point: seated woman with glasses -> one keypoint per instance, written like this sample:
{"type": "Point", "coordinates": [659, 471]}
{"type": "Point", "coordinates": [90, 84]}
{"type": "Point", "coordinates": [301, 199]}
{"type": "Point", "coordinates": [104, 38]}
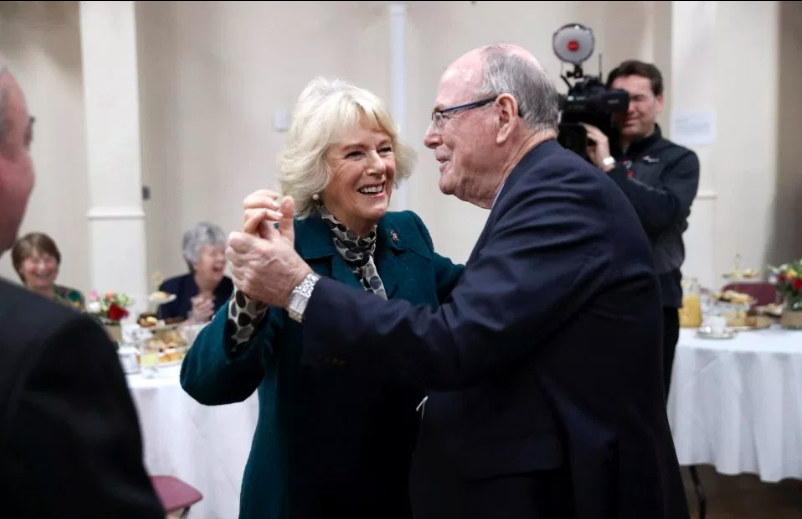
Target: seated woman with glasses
{"type": "Point", "coordinates": [37, 259]}
{"type": "Point", "coordinates": [332, 440]}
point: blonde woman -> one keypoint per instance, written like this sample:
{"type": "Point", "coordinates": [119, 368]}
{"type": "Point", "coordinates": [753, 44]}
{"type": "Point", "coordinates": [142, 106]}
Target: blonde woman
{"type": "Point", "coordinates": [331, 441]}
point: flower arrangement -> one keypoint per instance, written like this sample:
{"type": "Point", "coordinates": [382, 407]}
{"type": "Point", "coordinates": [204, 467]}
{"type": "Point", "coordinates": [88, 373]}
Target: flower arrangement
{"type": "Point", "coordinates": [110, 308]}
{"type": "Point", "coordinates": [789, 279]}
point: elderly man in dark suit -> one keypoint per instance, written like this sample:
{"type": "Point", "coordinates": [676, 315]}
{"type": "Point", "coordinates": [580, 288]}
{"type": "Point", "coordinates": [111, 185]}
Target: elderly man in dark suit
{"type": "Point", "coordinates": [69, 434]}
{"type": "Point", "coordinates": [545, 363]}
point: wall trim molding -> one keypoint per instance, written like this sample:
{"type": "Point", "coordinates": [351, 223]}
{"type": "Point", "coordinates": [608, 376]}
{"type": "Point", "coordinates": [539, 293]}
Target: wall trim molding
{"type": "Point", "coordinates": [115, 213]}
{"type": "Point", "coordinates": [707, 194]}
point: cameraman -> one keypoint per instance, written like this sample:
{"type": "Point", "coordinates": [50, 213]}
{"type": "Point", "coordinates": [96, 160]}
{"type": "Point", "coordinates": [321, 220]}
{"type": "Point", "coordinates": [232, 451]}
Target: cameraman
{"type": "Point", "coordinates": [659, 177]}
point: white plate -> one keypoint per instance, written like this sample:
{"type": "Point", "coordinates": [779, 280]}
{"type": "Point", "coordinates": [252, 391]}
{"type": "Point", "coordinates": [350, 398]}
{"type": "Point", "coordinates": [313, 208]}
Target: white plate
{"type": "Point", "coordinates": [161, 301]}
{"type": "Point", "coordinates": [160, 327]}
{"type": "Point", "coordinates": [171, 363]}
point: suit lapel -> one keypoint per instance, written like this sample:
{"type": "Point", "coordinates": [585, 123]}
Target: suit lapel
{"type": "Point", "coordinates": [387, 266]}
{"type": "Point", "coordinates": [316, 247]}
{"type": "Point", "coordinates": [484, 235]}
{"type": "Point", "coordinates": [526, 164]}
{"type": "Point", "coordinates": [390, 244]}
{"type": "Point", "coordinates": [342, 272]}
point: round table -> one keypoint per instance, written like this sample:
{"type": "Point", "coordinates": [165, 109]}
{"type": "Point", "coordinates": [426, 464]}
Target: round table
{"type": "Point", "coordinates": [205, 446]}
{"type": "Point", "coordinates": [737, 404]}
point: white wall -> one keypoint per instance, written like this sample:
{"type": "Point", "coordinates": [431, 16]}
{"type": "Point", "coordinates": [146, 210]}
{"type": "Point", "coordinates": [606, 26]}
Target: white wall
{"type": "Point", "coordinates": [745, 153]}
{"type": "Point", "coordinates": [213, 75]}
{"type": "Point", "coordinates": [40, 42]}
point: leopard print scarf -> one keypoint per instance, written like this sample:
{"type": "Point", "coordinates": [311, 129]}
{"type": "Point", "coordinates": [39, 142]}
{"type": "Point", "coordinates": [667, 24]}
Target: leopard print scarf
{"type": "Point", "coordinates": [357, 252]}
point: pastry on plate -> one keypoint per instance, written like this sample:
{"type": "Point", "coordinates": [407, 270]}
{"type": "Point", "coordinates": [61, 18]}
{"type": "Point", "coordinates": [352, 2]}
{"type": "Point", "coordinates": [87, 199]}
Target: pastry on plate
{"type": "Point", "coordinates": [147, 320]}
{"type": "Point", "coordinates": [731, 296]}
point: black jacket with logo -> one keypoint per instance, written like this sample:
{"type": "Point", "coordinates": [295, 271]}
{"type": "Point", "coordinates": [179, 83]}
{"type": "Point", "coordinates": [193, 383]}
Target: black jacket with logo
{"type": "Point", "coordinates": [661, 178]}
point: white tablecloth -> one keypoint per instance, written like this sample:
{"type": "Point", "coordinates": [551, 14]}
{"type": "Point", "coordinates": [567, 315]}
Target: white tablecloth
{"type": "Point", "coordinates": [737, 404]}
{"type": "Point", "coordinates": [205, 446]}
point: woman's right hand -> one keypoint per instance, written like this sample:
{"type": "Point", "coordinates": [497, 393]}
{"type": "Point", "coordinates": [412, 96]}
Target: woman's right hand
{"type": "Point", "coordinates": [202, 309]}
{"type": "Point", "coordinates": [263, 208]}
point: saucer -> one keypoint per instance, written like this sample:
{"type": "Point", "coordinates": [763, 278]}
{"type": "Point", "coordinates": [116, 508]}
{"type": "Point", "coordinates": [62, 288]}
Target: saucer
{"type": "Point", "coordinates": [708, 333]}
{"type": "Point", "coordinates": [161, 299]}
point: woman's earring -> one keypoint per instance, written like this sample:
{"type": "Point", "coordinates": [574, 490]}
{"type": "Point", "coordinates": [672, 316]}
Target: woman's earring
{"type": "Point", "coordinates": [316, 199]}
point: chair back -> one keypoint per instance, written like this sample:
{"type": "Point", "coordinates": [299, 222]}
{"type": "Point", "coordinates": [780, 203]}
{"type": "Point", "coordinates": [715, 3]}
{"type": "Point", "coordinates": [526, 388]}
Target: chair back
{"type": "Point", "coordinates": [765, 293]}
{"type": "Point", "coordinates": [175, 495]}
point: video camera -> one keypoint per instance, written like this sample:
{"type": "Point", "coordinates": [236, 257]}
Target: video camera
{"type": "Point", "coordinates": [588, 100]}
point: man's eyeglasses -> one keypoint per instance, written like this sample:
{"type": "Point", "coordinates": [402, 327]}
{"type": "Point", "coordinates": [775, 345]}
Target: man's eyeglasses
{"type": "Point", "coordinates": [439, 117]}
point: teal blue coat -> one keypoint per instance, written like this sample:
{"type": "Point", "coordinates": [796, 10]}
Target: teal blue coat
{"type": "Point", "coordinates": [330, 442]}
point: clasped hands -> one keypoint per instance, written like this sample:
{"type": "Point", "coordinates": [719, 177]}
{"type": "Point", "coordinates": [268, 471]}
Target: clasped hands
{"type": "Point", "coordinates": [264, 264]}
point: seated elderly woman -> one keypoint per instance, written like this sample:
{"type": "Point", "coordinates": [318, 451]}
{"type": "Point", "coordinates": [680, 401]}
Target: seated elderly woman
{"type": "Point", "coordinates": [205, 289]}
{"type": "Point", "coordinates": [36, 259]}
{"type": "Point", "coordinates": [331, 440]}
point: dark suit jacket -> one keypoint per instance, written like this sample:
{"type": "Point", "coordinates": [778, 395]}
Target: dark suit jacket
{"type": "Point", "coordinates": [330, 441]}
{"type": "Point", "coordinates": [545, 360]}
{"type": "Point", "coordinates": [70, 444]}
{"type": "Point", "coordinates": [185, 288]}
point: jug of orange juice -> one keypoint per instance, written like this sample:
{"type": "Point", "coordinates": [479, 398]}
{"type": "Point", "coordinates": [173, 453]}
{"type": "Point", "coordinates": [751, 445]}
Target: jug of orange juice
{"type": "Point", "coordinates": [690, 315]}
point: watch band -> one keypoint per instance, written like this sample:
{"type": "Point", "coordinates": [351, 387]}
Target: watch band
{"type": "Point", "coordinates": [299, 297]}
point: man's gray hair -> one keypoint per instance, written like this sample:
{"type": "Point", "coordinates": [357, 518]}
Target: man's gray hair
{"type": "Point", "coordinates": [201, 234]}
{"type": "Point", "coordinates": [506, 71]}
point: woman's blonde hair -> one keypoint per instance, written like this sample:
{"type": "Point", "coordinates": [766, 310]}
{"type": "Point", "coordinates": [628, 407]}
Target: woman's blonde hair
{"type": "Point", "coordinates": [325, 110]}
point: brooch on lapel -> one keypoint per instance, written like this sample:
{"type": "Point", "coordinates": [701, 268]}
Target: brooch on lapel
{"type": "Point", "coordinates": [394, 235]}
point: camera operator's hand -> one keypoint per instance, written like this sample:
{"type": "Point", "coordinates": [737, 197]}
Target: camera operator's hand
{"type": "Point", "coordinates": [599, 149]}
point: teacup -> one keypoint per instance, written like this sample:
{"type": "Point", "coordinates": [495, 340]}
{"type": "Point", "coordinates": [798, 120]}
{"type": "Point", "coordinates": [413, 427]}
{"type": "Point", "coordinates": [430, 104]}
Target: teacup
{"type": "Point", "coordinates": [717, 324]}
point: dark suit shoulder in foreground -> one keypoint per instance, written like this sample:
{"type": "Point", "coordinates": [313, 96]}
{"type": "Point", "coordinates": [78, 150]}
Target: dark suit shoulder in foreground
{"type": "Point", "coordinates": [70, 444]}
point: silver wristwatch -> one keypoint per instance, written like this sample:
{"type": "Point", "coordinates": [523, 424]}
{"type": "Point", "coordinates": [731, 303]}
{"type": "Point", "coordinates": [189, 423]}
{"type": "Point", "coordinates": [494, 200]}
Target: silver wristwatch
{"type": "Point", "coordinates": [608, 161]}
{"type": "Point", "coordinates": [300, 297]}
